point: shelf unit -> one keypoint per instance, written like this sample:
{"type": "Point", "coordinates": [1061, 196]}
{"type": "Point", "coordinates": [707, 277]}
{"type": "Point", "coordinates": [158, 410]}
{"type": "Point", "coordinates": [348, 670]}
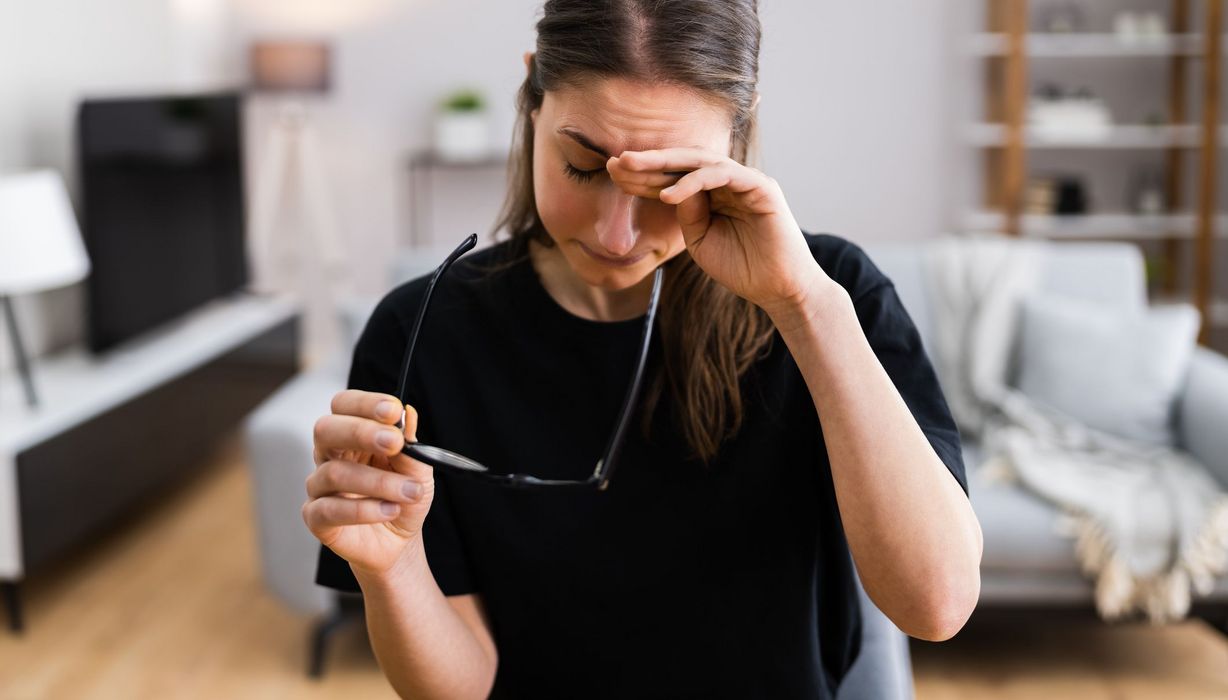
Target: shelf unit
{"type": "Point", "coordinates": [1008, 47]}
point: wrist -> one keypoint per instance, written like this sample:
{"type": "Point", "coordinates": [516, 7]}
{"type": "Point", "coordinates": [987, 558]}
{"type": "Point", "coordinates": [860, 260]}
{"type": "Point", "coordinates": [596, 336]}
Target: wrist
{"type": "Point", "coordinates": [818, 297]}
{"type": "Point", "coordinates": [407, 566]}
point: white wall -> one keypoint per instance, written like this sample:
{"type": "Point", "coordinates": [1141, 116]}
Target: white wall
{"type": "Point", "coordinates": [54, 52]}
{"type": "Point", "coordinates": [856, 112]}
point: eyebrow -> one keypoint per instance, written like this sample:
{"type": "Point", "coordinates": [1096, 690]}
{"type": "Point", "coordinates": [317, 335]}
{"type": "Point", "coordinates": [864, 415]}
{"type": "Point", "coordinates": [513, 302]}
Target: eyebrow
{"type": "Point", "coordinates": [583, 141]}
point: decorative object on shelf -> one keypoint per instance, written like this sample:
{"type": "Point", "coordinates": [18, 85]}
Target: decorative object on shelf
{"type": "Point", "coordinates": [1040, 198]}
{"type": "Point", "coordinates": [42, 249]}
{"type": "Point", "coordinates": [1057, 113]}
{"type": "Point", "coordinates": [1132, 27]}
{"type": "Point", "coordinates": [1071, 197]}
{"type": "Point", "coordinates": [462, 131]}
{"type": "Point", "coordinates": [1063, 18]}
{"type": "Point", "coordinates": [1145, 194]}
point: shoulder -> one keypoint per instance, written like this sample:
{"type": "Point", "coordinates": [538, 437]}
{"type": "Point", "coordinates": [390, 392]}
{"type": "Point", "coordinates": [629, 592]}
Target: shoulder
{"type": "Point", "coordinates": [846, 263]}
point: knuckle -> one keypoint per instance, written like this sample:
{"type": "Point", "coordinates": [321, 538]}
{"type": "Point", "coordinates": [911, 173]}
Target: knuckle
{"type": "Point", "coordinates": [339, 399]}
{"type": "Point", "coordinates": [319, 430]}
{"type": "Point", "coordinates": [387, 485]}
{"type": "Point", "coordinates": [331, 477]}
{"type": "Point", "coordinates": [361, 434]}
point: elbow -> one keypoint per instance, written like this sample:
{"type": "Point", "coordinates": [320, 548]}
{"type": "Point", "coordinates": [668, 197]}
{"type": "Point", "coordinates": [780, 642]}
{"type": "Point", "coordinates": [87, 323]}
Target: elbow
{"type": "Point", "coordinates": [948, 608]}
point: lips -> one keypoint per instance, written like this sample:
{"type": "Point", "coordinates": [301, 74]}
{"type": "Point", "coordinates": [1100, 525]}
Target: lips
{"type": "Point", "coordinates": [615, 262]}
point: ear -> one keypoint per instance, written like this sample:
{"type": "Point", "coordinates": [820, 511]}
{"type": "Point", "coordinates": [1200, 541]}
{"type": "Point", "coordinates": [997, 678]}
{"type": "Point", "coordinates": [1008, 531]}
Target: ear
{"type": "Point", "coordinates": [754, 103]}
{"type": "Point", "coordinates": [527, 55]}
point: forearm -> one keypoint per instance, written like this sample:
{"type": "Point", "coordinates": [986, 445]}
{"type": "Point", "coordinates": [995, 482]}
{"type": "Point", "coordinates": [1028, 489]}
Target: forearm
{"type": "Point", "coordinates": [423, 646]}
{"type": "Point", "coordinates": [910, 527]}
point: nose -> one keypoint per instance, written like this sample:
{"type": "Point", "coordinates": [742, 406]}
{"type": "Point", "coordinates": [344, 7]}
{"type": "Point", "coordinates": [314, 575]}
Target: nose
{"type": "Point", "coordinates": [617, 229]}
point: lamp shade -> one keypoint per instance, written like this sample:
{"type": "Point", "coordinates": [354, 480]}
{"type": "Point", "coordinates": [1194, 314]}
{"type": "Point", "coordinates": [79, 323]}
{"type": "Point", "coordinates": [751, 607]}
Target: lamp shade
{"type": "Point", "coordinates": [40, 244]}
{"type": "Point", "coordinates": [301, 66]}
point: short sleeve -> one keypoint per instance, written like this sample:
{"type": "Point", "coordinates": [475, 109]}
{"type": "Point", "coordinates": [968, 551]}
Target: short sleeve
{"type": "Point", "coordinates": [375, 366]}
{"type": "Point", "coordinates": [897, 344]}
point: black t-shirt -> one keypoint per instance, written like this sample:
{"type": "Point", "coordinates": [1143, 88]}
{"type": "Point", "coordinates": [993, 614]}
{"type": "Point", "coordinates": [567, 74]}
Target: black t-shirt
{"type": "Point", "coordinates": [733, 580]}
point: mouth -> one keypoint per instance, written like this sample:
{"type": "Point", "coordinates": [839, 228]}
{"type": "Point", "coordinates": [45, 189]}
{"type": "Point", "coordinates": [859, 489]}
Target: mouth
{"type": "Point", "coordinates": [612, 262]}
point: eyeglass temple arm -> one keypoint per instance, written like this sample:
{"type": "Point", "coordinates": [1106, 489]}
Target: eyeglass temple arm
{"type": "Point", "coordinates": [465, 246]}
{"type": "Point", "coordinates": [605, 464]}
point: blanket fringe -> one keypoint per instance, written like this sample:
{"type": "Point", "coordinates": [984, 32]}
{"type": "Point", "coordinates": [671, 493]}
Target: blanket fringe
{"type": "Point", "coordinates": [1164, 597]}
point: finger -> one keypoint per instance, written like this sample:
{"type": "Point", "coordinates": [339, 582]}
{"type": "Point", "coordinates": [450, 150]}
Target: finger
{"type": "Point", "coordinates": [642, 178]}
{"type": "Point", "coordinates": [734, 177]}
{"type": "Point", "coordinates": [341, 477]}
{"type": "Point", "coordinates": [693, 214]}
{"type": "Point", "coordinates": [671, 159]}
{"type": "Point", "coordinates": [333, 432]}
{"type": "Point", "coordinates": [384, 408]}
{"type": "Point", "coordinates": [332, 511]}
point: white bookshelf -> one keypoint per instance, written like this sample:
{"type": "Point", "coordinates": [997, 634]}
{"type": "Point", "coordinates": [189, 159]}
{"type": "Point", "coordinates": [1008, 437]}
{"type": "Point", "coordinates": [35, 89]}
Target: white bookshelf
{"type": "Point", "coordinates": [1108, 225]}
{"type": "Point", "coordinates": [1087, 45]}
{"type": "Point", "coordinates": [1125, 136]}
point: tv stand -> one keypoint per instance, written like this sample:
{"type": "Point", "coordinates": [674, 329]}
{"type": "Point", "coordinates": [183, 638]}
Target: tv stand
{"type": "Point", "coordinates": [114, 429]}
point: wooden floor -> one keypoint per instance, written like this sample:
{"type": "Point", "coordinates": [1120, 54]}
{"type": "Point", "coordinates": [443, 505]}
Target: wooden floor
{"type": "Point", "coordinates": [170, 605]}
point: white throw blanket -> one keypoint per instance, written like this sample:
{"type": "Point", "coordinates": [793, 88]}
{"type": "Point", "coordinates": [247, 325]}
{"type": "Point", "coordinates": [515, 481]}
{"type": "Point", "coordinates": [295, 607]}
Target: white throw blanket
{"type": "Point", "coordinates": [1148, 522]}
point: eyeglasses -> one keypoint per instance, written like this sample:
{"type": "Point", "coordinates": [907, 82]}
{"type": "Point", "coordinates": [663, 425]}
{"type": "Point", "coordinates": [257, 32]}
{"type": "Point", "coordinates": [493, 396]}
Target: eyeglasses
{"type": "Point", "coordinates": [451, 462]}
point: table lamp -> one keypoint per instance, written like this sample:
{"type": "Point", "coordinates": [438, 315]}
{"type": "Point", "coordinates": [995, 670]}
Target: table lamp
{"type": "Point", "coordinates": [40, 249]}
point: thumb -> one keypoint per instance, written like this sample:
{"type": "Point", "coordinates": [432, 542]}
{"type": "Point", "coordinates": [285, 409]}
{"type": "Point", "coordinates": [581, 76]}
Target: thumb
{"type": "Point", "coordinates": [411, 423]}
{"type": "Point", "coordinates": [404, 464]}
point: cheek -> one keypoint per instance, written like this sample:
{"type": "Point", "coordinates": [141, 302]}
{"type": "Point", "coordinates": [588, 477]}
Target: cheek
{"type": "Point", "coordinates": [566, 208]}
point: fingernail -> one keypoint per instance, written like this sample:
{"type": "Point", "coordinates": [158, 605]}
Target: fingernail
{"type": "Point", "coordinates": [411, 489]}
{"type": "Point", "coordinates": [667, 190]}
{"type": "Point", "coordinates": [387, 439]}
{"type": "Point", "coordinates": [386, 409]}
{"type": "Point", "coordinates": [389, 508]}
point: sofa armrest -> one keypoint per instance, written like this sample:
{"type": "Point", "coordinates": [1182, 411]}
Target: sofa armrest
{"type": "Point", "coordinates": [1203, 412]}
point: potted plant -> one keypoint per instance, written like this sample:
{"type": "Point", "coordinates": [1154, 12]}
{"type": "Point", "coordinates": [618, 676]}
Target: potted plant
{"type": "Point", "coordinates": [462, 132]}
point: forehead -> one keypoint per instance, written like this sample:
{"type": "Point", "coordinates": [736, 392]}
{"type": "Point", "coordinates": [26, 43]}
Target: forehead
{"type": "Point", "coordinates": [619, 115]}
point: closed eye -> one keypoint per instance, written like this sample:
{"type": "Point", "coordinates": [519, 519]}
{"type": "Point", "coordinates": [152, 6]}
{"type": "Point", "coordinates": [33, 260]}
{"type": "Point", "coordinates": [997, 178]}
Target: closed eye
{"type": "Point", "coordinates": [580, 175]}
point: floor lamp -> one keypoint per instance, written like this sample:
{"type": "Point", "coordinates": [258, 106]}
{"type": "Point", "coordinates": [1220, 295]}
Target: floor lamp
{"type": "Point", "coordinates": [293, 70]}
{"type": "Point", "coordinates": [40, 249]}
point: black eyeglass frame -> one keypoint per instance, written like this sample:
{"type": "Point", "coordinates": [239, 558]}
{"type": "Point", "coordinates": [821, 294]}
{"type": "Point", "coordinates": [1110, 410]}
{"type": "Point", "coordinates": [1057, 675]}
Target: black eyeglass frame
{"type": "Point", "coordinates": [453, 463]}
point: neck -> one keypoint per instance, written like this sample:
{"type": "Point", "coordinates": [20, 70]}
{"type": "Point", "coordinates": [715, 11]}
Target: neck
{"type": "Point", "coordinates": [582, 299]}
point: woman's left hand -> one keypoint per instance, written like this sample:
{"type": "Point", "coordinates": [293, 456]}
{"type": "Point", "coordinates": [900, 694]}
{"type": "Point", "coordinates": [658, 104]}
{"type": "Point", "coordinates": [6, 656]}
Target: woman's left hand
{"type": "Point", "coordinates": [734, 219]}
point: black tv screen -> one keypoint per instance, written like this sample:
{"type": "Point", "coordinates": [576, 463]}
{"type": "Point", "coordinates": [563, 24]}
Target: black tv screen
{"type": "Point", "coordinates": [161, 188]}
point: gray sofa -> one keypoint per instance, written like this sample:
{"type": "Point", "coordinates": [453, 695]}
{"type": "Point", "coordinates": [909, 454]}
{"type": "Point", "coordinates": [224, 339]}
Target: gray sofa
{"type": "Point", "coordinates": [1024, 562]}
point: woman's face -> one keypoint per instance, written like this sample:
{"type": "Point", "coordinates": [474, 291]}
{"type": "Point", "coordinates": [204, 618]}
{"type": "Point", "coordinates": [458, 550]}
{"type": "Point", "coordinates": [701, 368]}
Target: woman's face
{"type": "Point", "coordinates": [612, 239]}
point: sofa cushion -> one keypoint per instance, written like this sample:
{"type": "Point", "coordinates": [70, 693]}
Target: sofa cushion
{"type": "Point", "coordinates": [1118, 371]}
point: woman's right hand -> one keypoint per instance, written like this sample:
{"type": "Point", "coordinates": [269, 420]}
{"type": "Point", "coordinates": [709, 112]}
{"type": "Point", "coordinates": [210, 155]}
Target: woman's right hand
{"type": "Point", "coordinates": [366, 500]}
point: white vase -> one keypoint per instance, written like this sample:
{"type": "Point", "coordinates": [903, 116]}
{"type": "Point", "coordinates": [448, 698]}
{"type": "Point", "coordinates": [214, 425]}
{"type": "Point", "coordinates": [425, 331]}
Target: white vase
{"type": "Point", "coordinates": [462, 136]}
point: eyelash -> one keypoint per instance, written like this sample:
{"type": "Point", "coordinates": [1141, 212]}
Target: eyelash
{"type": "Point", "coordinates": [580, 175]}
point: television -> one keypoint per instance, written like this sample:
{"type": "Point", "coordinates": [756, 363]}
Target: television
{"type": "Point", "coordinates": [161, 185]}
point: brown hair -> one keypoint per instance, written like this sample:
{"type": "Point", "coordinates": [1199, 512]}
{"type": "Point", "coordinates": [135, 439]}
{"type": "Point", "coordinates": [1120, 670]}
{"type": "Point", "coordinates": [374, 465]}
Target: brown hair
{"type": "Point", "coordinates": [710, 335]}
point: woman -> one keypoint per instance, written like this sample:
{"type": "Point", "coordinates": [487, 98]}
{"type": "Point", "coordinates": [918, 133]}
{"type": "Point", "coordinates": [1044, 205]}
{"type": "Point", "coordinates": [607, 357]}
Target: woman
{"type": "Point", "coordinates": [790, 418]}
